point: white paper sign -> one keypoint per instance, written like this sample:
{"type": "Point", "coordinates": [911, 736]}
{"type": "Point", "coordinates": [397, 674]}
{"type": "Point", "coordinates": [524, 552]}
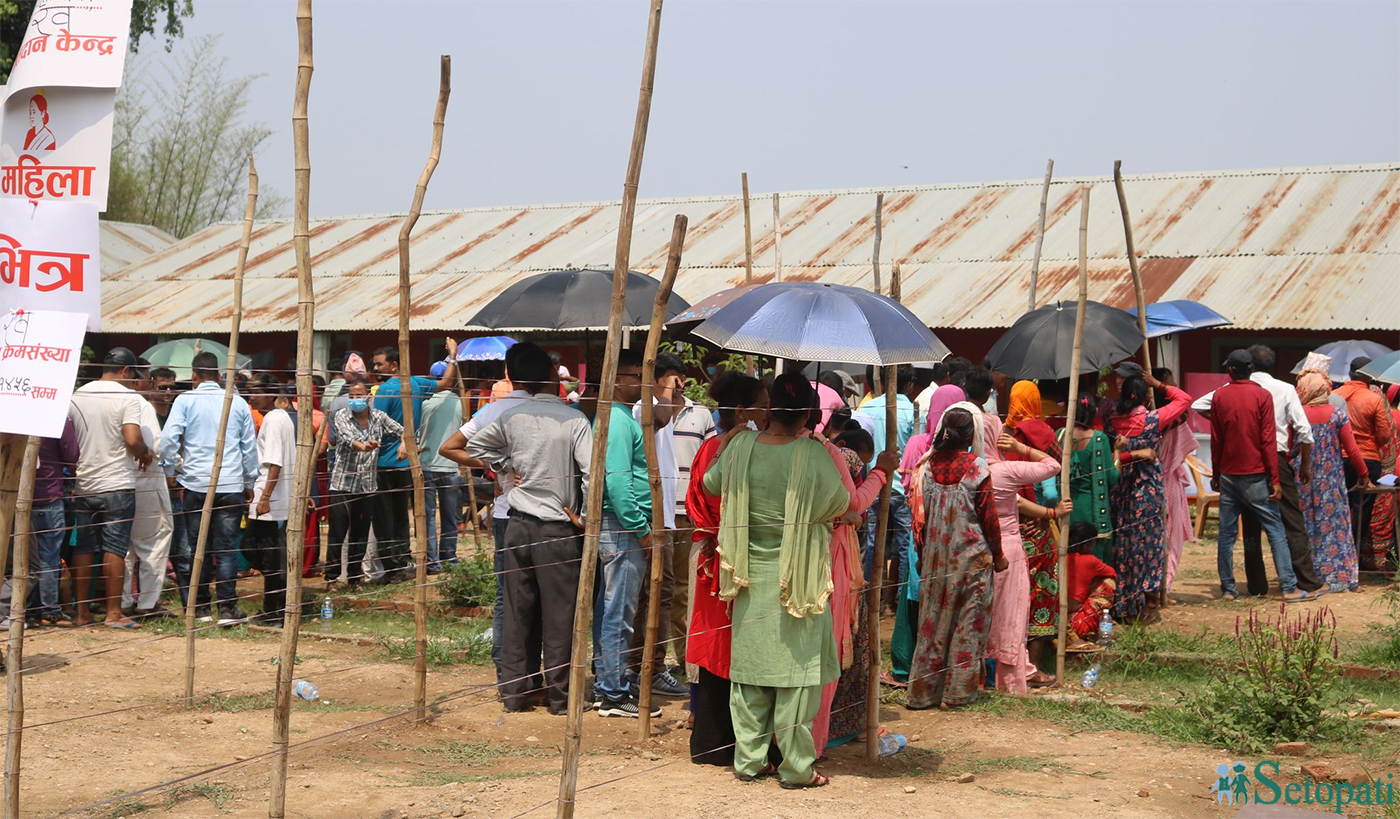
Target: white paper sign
{"type": "Point", "coordinates": [39, 354]}
{"type": "Point", "coordinates": [73, 42]}
{"type": "Point", "coordinates": [49, 258]}
{"type": "Point", "coordinates": [56, 143]}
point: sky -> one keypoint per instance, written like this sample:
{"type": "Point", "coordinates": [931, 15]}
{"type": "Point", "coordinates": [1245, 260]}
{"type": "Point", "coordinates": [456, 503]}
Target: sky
{"type": "Point", "coordinates": [806, 95]}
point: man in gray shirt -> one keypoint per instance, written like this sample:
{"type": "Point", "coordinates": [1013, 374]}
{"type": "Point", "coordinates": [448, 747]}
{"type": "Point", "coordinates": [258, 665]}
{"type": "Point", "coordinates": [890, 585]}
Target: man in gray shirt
{"type": "Point", "coordinates": [547, 444]}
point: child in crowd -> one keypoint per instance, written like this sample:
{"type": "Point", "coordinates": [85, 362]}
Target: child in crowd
{"type": "Point", "coordinates": [1092, 585]}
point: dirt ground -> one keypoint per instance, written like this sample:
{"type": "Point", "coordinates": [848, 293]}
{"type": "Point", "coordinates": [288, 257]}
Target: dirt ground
{"type": "Point", "coordinates": [474, 760]}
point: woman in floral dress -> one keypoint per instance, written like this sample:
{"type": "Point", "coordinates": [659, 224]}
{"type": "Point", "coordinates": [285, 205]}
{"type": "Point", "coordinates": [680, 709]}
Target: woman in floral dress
{"type": "Point", "coordinates": [1324, 498]}
{"type": "Point", "coordinates": [959, 546]}
{"type": "Point", "coordinates": [1138, 498]}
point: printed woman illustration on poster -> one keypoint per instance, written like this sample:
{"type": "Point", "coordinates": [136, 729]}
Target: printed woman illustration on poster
{"type": "Point", "coordinates": [39, 137]}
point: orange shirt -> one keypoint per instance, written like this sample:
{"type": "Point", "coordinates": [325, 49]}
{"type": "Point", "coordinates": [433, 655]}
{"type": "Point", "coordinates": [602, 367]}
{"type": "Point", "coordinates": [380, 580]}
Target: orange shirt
{"type": "Point", "coordinates": [1370, 418]}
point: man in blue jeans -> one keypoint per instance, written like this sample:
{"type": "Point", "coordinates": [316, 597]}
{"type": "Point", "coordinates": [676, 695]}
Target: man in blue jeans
{"type": "Point", "coordinates": [442, 493]}
{"type": "Point", "coordinates": [625, 531]}
{"type": "Point", "coordinates": [188, 438]}
{"type": "Point", "coordinates": [49, 530]}
{"type": "Point", "coordinates": [1244, 456]}
{"type": "Point", "coordinates": [106, 416]}
{"type": "Point", "coordinates": [898, 536]}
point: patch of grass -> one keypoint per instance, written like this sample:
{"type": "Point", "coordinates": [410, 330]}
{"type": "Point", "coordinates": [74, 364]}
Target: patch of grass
{"type": "Point", "coordinates": [237, 704]}
{"type": "Point", "coordinates": [433, 779]}
{"type": "Point", "coordinates": [217, 793]}
{"type": "Point", "coordinates": [480, 753]}
{"type": "Point", "coordinates": [128, 807]}
{"type": "Point", "coordinates": [1020, 794]}
{"type": "Point", "coordinates": [1022, 764]}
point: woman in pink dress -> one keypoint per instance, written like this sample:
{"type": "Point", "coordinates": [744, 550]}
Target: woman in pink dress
{"type": "Point", "coordinates": [1178, 441]}
{"type": "Point", "coordinates": [1011, 595]}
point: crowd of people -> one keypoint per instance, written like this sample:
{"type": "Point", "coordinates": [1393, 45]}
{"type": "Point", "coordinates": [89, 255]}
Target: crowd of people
{"type": "Point", "coordinates": [766, 531]}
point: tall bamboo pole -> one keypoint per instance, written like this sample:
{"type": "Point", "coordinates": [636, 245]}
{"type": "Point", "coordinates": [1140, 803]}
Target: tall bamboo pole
{"type": "Point", "coordinates": [306, 308]}
{"type": "Point", "coordinates": [1040, 232]}
{"type": "Point", "coordinates": [1133, 266]}
{"type": "Point", "coordinates": [748, 254]}
{"type": "Point", "coordinates": [876, 388]}
{"type": "Point", "coordinates": [465, 473]}
{"type": "Point", "coordinates": [656, 554]}
{"type": "Point", "coordinates": [415, 461]}
{"type": "Point", "coordinates": [11, 456]}
{"type": "Point", "coordinates": [1062, 559]}
{"type": "Point", "coordinates": [19, 591]}
{"type": "Point", "coordinates": [777, 242]}
{"type": "Point", "coordinates": [231, 368]}
{"type": "Point", "coordinates": [877, 569]}
{"type": "Point", "coordinates": [583, 605]}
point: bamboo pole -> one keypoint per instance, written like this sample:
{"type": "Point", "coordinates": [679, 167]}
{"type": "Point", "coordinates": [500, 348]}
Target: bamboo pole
{"type": "Point", "coordinates": [1133, 267]}
{"type": "Point", "coordinates": [656, 554]}
{"type": "Point", "coordinates": [306, 308]}
{"type": "Point", "coordinates": [876, 388]}
{"type": "Point", "coordinates": [19, 590]}
{"type": "Point", "coordinates": [465, 473]}
{"type": "Point", "coordinates": [877, 569]}
{"type": "Point", "coordinates": [231, 368]}
{"type": "Point", "coordinates": [777, 242]}
{"type": "Point", "coordinates": [1062, 559]}
{"type": "Point", "coordinates": [1040, 232]}
{"type": "Point", "coordinates": [748, 255]}
{"type": "Point", "coordinates": [415, 461]}
{"type": "Point", "coordinates": [583, 605]}
{"type": "Point", "coordinates": [11, 456]}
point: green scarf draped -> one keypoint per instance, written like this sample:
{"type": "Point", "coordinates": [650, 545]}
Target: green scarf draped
{"type": "Point", "coordinates": [804, 559]}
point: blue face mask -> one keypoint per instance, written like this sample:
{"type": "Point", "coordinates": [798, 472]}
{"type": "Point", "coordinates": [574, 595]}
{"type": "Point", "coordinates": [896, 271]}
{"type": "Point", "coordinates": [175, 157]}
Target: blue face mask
{"type": "Point", "coordinates": [359, 404]}
{"type": "Point", "coordinates": [710, 371]}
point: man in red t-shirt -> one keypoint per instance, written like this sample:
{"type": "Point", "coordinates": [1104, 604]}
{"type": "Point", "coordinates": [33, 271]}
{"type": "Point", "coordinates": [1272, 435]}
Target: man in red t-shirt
{"type": "Point", "coordinates": [1244, 455]}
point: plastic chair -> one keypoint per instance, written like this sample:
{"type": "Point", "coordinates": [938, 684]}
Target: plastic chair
{"type": "Point", "coordinates": [1205, 498]}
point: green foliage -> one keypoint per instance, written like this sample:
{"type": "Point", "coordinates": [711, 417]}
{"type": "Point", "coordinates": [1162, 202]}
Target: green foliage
{"type": "Point", "coordinates": [1389, 649]}
{"type": "Point", "coordinates": [698, 357]}
{"type": "Point", "coordinates": [180, 145]}
{"type": "Point", "coordinates": [470, 582]}
{"type": "Point", "coordinates": [1280, 685]}
{"type": "Point", "coordinates": [145, 16]}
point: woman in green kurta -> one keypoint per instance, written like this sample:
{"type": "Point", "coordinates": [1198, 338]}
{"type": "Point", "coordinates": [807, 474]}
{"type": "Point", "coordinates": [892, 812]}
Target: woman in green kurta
{"type": "Point", "coordinates": [779, 494]}
{"type": "Point", "coordinates": [1093, 470]}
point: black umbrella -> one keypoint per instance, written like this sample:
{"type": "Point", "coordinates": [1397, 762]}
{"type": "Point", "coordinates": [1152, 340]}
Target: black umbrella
{"type": "Point", "coordinates": [571, 300]}
{"type": "Point", "coordinates": [1041, 343]}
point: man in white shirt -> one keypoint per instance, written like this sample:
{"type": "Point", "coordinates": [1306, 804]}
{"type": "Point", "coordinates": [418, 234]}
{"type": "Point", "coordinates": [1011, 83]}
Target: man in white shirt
{"type": "Point", "coordinates": [668, 395]}
{"type": "Point", "coordinates": [1290, 426]}
{"type": "Point", "coordinates": [265, 539]}
{"type": "Point", "coordinates": [455, 449]}
{"type": "Point", "coordinates": [153, 527]}
{"type": "Point", "coordinates": [106, 416]}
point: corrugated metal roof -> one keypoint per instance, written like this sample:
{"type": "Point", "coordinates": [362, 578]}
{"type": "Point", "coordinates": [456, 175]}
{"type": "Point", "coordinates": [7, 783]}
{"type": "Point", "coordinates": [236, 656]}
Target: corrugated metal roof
{"type": "Point", "coordinates": [124, 243]}
{"type": "Point", "coordinates": [1315, 248]}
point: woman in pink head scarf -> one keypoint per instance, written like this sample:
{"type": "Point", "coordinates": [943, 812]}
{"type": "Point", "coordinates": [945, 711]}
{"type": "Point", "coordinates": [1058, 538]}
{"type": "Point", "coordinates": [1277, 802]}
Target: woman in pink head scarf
{"type": "Point", "coordinates": [943, 398]}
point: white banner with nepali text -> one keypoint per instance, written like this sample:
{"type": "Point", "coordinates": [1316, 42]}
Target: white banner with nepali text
{"type": "Point", "coordinates": [49, 258]}
{"type": "Point", "coordinates": [39, 355]}
{"type": "Point", "coordinates": [73, 42]}
{"type": "Point", "coordinates": [56, 143]}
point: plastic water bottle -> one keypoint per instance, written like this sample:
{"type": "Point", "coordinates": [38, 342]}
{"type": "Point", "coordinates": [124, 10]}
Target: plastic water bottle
{"type": "Point", "coordinates": [1091, 677]}
{"type": "Point", "coordinates": [891, 744]}
{"type": "Point", "coordinates": [305, 690]}
{"type": "Point", "coordinates": [1106, 629]}
{"type": "Point", "coordinates": [327, 608]}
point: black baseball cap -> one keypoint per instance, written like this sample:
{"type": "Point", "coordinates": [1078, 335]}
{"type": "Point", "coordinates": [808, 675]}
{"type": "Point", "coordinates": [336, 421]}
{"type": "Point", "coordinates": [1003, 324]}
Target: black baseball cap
{"type": "Point", "coordinates": [121, 357]}
{"type": "Point", "coordinates": [1239, 360]}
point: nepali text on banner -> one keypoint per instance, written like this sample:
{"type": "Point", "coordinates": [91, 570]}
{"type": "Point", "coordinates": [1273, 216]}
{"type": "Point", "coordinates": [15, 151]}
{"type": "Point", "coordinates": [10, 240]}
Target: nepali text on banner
{"type": "Point", "coordinates": [49, 258]}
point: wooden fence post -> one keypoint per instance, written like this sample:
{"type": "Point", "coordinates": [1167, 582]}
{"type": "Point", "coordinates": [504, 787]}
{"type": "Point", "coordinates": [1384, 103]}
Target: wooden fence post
{"type": "Point", "coordinates": [656, 554]}
{"type": "Point", "coordinates": [583, 604]}
{"type": "Point", "coordinates": [1133, 267]}
{"type": "Point", "coordinates": [1062, 559]}
{"type": "Point", "coordinates": [748, 256]}
{"type": "Point", "coordinates": [19, 590]}
{"type": "Point", "coordinates": [1040, 232]}
{"type": "Point", "coordinates": [777, 242]}
{"type": "Point", "coordinates": [306, 307]}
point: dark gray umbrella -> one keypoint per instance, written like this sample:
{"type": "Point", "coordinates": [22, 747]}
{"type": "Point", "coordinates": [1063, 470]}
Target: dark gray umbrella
{"type": "Point", "coordinates": [814, 321]}
{"type": "Point", "coordinates": [571, 300]}
{"type": "Point", "coordinates": [1041, 343]}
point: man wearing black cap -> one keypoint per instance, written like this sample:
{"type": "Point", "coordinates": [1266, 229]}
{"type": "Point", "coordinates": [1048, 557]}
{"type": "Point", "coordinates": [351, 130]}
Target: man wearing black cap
{"type": "Point", "coordinates": [106, 416]}
{"type": "Point", "coordinates": [1244, 455]}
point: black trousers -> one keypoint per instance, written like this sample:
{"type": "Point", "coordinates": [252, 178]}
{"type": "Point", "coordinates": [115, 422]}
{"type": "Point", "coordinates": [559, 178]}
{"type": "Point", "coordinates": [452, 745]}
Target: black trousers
{"type": "Point", "coordinates": [349, 516]}
{"type": "Point", "coordinates": [265, 546]}
{"type": "Point", "coordinates": [1294, 525]}
{"type": "Point", "coordinates": [1362, 503]}
{"type": "Point", "coordinates": [539, 588]}
{"type": "Point", "coordinates": [391, 509]}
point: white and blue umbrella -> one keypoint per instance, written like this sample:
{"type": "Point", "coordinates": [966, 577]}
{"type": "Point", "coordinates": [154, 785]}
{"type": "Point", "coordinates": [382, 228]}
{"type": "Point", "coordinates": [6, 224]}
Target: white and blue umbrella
{"type": "Point", "coordinates": [1165, 318]}
{"type": "Point", "coordinates": [1386, 368]}
{"type": "Point", "coordinates": [1343, 353]}
{"type": "Point", "coordinates": [485, 348]}
{"type": "Point", "coordinates": [815, 321]}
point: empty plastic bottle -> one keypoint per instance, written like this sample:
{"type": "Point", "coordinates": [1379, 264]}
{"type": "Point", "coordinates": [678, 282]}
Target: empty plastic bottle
{"type": "Point", "coordinates": [1105, 629]}
{"type": "Point", "coordinates": [891, 744]}
{"type": "Point", "coordinates": [1091, 677]}
{"type": "Point", "coordinates": [305, 690]}
{"type": "Point", "coordinates": [327, 608]}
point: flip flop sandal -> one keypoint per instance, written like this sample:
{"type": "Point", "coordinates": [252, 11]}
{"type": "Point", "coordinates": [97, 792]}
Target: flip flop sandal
{"type": "Point", "coordinates": [129, 625]}
{"type": "Point", "coordinates": [818, 780]}
{"type": "Point", "coordinates": [768, 770]}
{"type": "Point", "coordinates": [886, 678]}
{"type": "Point", "coordinates": [1041, 680]}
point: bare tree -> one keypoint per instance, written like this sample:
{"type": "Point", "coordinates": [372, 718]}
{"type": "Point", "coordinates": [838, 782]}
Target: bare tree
{"type": "Point", "coordinates": [180, 143]}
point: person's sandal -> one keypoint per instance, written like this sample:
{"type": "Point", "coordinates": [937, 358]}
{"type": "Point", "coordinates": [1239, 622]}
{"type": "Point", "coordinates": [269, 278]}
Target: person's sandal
{"type": "Point", "coordinates": [818, 780]}
{"type": "Point", "coordinates": [768, 770]}
{"type": "Point", "coordinates": [886, 678]}
{"type": "Point", "coordinates": [1040, 680]}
